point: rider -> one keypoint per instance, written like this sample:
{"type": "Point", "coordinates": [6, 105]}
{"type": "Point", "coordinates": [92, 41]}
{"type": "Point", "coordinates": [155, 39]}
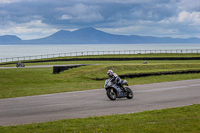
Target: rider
{"type": "Point", "coordinates": [115, 78]}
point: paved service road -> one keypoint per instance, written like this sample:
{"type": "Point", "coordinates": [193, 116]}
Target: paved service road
{"type": "Point", "coordinates": [22, 110]}
{"type": "Point", "coordinates": [36, 66]}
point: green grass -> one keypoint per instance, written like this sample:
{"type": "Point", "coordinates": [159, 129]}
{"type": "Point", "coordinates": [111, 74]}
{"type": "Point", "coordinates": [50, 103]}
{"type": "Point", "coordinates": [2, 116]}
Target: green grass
{"type": "Point", "coordinates": [36, 81]}
{"type": "Point", "coordinates": [136, 62]}
{"type": "Point", "coordinates": [174, 120]}
{"type": "Point", "coordinates": [103, 56]}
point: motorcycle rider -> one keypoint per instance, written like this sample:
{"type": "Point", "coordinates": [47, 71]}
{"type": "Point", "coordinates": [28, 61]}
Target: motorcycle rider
{"type": "Point", "coordinates": [20, 64]}
{"type": "Point", "coordinates": [115, 79]}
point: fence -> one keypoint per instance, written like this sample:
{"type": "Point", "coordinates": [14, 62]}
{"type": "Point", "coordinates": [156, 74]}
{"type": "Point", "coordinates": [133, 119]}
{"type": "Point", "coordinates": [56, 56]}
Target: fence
{"type": "Point", "coordinates": [98, 53]}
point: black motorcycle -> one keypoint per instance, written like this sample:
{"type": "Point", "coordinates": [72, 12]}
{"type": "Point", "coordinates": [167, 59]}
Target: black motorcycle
{"type": "Point", "coordinates": [114, 91]}
{"type": "Point", "coordinates": [20, 64]}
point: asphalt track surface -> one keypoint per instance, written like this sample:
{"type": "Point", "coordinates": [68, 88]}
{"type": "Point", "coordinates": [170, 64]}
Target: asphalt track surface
{"type": "Point", "coordinates": [35, 66]}
{"type": "Point", "coordinates": [80, 104]}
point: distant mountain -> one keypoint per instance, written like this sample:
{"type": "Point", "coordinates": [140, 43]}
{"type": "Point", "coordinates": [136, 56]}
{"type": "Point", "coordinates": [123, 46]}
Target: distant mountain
{"type": "Point", "coordinates": [10, 39]}
{"type": "Point", "coordinates": [92, 36]}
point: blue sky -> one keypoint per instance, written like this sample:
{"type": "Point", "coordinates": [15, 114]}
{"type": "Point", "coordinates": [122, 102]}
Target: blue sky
{"type": "Point", "coordinates": [30, 19]}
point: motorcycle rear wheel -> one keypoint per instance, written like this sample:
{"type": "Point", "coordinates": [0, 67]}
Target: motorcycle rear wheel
{"type": "Point", "coordinates": [129, 93]}
{"type": "Point", "coordinates": [111, 94]}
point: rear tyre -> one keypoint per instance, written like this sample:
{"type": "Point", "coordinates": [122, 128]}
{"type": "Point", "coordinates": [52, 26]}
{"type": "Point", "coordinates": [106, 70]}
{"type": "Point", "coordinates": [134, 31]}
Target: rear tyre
{"type": "Point", "coordinates": [129, 93]}
{"type": "Point", "coordinates": [111, 94]}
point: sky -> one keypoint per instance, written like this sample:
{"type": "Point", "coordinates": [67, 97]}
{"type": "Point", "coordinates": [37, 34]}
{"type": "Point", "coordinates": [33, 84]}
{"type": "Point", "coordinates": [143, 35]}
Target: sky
{"type": "Point", "coordinates": [31, 19]}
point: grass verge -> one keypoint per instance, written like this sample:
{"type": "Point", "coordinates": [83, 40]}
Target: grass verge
{"type": "Point", "coordinates": [37, 81]}
{"type": "Point", "coordinates": [158, 55]}
{"type": "Point", "coordinates": [173, 120]}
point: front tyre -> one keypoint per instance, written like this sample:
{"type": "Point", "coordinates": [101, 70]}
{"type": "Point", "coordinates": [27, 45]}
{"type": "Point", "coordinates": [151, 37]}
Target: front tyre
{"type": "Point", "coordinates": [111, 94]}
{"type": "Point", "coordinates": [129, 93]}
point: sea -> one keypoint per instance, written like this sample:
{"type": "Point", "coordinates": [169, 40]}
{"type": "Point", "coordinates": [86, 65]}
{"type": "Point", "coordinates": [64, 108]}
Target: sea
{"type": "Point", "coordinates": [10, 51]}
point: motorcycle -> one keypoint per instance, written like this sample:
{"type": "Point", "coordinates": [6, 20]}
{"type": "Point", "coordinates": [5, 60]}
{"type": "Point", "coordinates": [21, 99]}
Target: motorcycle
{"type": "Point", "coordinates": [114, 91]}
{"type": "Point", "coordinates": [20, 64]}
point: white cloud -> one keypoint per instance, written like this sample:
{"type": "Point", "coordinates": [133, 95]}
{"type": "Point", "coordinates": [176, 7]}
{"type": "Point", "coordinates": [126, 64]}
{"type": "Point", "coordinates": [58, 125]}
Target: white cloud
{"type": "Point", "coordinates": [78, 9]}
{"type": "Point", "coordinates": [184, 18]}
{"type": "Point", "coordinates": [14, 1]}
{"type": "Point", "coordinates": [121, 1]}
{"type": "Point", "coordinates": [81, 13]}
{"type": "Point", "coordinates": [146, 17]}
{"type": "Point", "coordinates": [9, 1]}
{"type": "Point", "coordinates": [143, 30]}
{"type": "Point", "coordinates": [187, 17]}
{"type": "Point", "coordinates": [191, 5]}
{"type": "Point", "coordinates": [129, 30]}
{"type": "Point", "coordinates": [30, 30]}
{"type": "Point", "coordinates": [92, 17]}
{"type": "Point", "coordinates": [66, 17]}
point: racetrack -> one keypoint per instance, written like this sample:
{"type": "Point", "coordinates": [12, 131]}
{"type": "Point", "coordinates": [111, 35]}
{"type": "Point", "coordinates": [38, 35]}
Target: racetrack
{"type": "Point", "coordinates": [50, 107]}
{"type": "Point", "coordinates": [36, 66]}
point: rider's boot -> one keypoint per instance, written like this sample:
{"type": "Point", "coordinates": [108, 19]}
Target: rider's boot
{"type": "Point", "coordinates": [122, 87]}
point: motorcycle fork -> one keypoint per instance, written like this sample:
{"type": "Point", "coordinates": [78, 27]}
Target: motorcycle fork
{"type": "Point", "coordinates": [112, 91]}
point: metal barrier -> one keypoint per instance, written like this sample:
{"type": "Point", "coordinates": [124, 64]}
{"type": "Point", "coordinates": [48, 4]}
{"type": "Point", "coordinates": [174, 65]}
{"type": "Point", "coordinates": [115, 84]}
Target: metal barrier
{"type": "Point", "coordinates": [71, 54]}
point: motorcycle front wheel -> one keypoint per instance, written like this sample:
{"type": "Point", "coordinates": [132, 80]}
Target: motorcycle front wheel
{"type": "Point", "coordinates": [111, 94]}
{"type": "Point", "coordinates": [129, 93]}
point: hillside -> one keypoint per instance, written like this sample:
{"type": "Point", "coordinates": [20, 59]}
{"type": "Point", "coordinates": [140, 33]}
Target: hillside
{"type": "Point", "coordinates": [93, 36]}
